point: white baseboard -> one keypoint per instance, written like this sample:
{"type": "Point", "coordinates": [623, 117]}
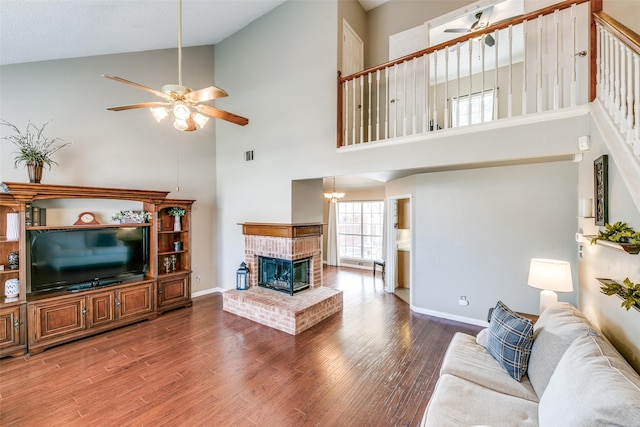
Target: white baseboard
{"type": "Point", "coordinates": [449, 316]}
{"type": "Point", "coordinates": [207, 292]}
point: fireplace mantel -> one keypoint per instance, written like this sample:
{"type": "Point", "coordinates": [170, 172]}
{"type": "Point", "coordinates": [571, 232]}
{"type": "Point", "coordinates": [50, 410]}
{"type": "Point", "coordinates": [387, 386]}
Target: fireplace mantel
{"type": "Point", "coordinates": [290, 231]}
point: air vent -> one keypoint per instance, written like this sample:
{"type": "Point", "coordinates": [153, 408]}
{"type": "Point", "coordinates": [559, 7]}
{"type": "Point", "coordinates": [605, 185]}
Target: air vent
{"type": "Point", "coordinates": [248, 156]}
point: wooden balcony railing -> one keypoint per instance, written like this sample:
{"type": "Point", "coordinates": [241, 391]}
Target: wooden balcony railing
{"type": "Point", "coordinates": [618, 77]}
{"type": "Point", "coordinates": [537, 62]}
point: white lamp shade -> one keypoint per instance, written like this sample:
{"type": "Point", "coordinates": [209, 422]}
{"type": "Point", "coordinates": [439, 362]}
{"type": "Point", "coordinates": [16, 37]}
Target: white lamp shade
{"type": "Point", "coordinates": [550, 274]}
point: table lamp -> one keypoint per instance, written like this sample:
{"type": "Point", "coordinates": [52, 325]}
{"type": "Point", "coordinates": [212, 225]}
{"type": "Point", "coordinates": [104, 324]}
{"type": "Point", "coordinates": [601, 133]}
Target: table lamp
{"type": "Point", "coordinates": [551, 276]}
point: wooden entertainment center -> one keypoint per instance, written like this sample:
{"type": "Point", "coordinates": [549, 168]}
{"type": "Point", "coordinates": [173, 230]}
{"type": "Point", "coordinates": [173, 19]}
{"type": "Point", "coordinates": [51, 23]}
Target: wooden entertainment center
{"type": "Point", "coordinates": [30, 323]}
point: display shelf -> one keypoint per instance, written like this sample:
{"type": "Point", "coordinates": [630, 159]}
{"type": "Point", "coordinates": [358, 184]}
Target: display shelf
{"type": "Point", "coordinates": [630, 248]}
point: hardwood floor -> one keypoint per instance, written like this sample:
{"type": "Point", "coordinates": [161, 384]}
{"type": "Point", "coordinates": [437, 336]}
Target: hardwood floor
{"type": "Point", "coordinates": [374, 364]}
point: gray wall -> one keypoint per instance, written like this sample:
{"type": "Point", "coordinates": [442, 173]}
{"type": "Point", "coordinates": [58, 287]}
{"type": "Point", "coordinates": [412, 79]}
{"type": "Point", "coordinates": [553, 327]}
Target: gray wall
{"type": "Point", "coordinates": [118, 149]}
{"type": "Point", "coordinates": [476, 231]}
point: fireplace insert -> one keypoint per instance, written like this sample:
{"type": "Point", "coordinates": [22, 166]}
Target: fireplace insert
{"type": "Point", "coordinates": [283, 275]}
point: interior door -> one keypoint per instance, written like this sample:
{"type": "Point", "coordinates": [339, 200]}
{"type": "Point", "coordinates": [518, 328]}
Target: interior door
{"type": "Point", "coordinates": [404, 83]}
{"type": "Point", "coordinates": [352, 62]}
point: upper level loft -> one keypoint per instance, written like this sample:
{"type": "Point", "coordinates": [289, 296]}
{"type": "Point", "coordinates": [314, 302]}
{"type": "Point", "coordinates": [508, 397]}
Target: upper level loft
{"type": "Point", "coordinates": [555, 59]}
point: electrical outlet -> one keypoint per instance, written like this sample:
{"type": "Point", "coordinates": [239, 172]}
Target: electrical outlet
{"type": "Point", "coordinates": [198, 279]}
{"type": "Point", "coordinates": [463, 300]}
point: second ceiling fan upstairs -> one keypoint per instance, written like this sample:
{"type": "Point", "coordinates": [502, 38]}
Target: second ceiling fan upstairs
{"type": "Point", "coordinates": [482, 21]}
{"type": "Point", "coordinates": [185, 103]}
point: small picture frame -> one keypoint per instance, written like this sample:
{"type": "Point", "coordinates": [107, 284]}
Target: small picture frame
{"type": "Point", "coordinates": [601, 189]}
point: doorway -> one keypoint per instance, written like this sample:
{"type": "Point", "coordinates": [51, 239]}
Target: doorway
{"type": "Point", "coordinates": [399, 244]}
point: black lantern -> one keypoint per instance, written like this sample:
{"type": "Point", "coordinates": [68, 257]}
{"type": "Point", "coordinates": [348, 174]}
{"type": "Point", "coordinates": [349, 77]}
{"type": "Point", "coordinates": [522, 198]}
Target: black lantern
{"type": "Point", "coordinates": [242, 277]}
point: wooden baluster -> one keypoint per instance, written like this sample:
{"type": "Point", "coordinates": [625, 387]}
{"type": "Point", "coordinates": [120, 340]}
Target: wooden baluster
{"type": "Point", "coordinates": [539, 76]}
{"type": "Point", "coordinates": [574, 74]}
{"type": "Point", "coordinates": [355, 109]}
{"type": "Point", "coordinates": [510, 76]}
{"type": "Point", "coordinates": [395, 100]}
{"type": "Point", "coordinates": [425, 93]}
{"type": "Point", "coordinates": [556, 77]}
{"type": "Point", "coordinates": [457, 110]}
{"type": "Point", "coordinates": [610, 73]}
{"type": "Point", "coordinates": [414, 92]}
{"type": "Point", "coordinates": [622, 125]}
{"type": "Point", "coordinates": [361, 107]}
{"type": "Point", "coordinates": [470, 45]}
{"type": "Point", "coordinates": [386, 104]}
{"type": "Point", "coordinates": [378, 105]}
{"type": "Point", "coordinates": [629, 102]}
{"type": "Point", "coordinates": [616, 81]}
{"type": "Point", "coordinates": [369, 110]}
{"type": "Point", "coordinates": [347, 113]}
{"type": "Point", "coordinates": [524, 69]}
{"type": "Point", "coordinates": [446, 88]}
{"type": "Point", "coordinates": [636, 105]}
{"type": "Point", "coordinates": [599, 62]}
{"type": "Point", "coordinates": [435, 91]}
{"type": "Point", "coordinates": [404, 99]}
{"type": "Point", "coordinates": [496, 37]}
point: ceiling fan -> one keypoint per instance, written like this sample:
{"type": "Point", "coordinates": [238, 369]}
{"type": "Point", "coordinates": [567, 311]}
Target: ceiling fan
{"type": "Point", "coordinates": [482, 21]}
{"type": "Point", "coordinates": [185, 103]}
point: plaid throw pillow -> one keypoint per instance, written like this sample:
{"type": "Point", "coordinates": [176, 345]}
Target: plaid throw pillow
{"type": "Point", "coordinates": [510, 339]}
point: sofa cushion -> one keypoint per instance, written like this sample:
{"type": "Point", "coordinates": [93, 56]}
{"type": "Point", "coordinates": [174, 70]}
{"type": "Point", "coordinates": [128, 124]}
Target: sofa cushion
{"type": "Point", "coordinates": [458, 402]}
{"type": "Point", "coordinates": [470, 361]}
{"type": "Point", "coordinates": [481, 337]}
{"type": "Point", "coordinates": [591, 364]}
{"type": "Point", "coordinates": [558, 326]}
{"type": "Point", "coordinates": [510, 339]}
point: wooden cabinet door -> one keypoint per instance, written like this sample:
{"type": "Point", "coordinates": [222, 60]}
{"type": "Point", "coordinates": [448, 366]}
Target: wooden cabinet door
{"type": "Point", "coordinates": [9, 327]}
{"type": "Point", "coordinates": [101, 308]}
{"type": "Point", "coordinates": [58, 318]}
{"type": "Point", "coordinates": [173, 290]}
{"type": "Point", "coordinates": [134, 301]}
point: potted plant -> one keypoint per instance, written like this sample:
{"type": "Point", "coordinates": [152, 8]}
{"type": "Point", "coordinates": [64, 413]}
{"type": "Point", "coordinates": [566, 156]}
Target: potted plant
{"type": "Point", "coordinates": [131, 217]}
{"type": "Point", "coordinates": [628, 291]}
{"type": "Point", "coordinates": [622, 234]}
{"type": "Point", "coordinates": [34, 149]}
{"type": "Point", "coordinates": [176, 213]}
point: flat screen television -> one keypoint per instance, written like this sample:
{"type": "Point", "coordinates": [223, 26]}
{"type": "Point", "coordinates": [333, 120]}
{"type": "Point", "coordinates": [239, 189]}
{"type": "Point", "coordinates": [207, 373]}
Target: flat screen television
{"type": "Point", "coordinates": [74, 259]}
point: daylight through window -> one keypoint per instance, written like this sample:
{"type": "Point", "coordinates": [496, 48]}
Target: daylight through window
{"type": "Point", "coordinates": [360, 229]}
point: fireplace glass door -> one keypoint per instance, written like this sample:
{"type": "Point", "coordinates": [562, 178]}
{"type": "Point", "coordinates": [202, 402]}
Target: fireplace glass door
{"type": "Point", "coordinates": [283, 275]}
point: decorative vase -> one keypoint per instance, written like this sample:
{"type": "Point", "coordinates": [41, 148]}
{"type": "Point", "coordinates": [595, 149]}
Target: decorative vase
{"type": "Point", "coordinates": [13, 226]}
{"type": "Point", "coordinates": [11, 288]}
{"type": "Point", "coordinates": [177, 225]}
{"type": "Point", "coordinates": [35, 172]}
{"type": "Point", "coordinates": [12, 259]}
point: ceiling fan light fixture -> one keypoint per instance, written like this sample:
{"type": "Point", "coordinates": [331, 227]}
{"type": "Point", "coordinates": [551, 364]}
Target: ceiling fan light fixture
{"type": "Point", "coordinates": [200, 119]}
{"type": "Point", "coordinates": [159, 113]}
{"type": "Point", "coordinates": [181, 111]}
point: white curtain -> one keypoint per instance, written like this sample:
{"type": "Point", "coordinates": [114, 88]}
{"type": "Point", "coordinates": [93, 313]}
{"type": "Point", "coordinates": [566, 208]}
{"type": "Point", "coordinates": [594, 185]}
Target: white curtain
{"type": "Point", "coordinates": [333, 257]}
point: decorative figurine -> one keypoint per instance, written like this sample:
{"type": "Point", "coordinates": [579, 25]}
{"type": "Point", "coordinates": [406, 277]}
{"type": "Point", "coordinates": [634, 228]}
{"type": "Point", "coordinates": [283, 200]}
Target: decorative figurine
{"type": "Point", "coordinates": [13, 258]}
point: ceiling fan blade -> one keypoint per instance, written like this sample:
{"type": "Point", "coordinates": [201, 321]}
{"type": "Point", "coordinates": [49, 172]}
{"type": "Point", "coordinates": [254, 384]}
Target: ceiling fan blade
{"type": "Point", "coordinates": [142, 105]}
{"type": "Point", "coordinates": [139, 86]}
{"type": "Point", "coordinates": [206, 94]}
{"type": "Point", "coordinates": [221, 114]}
{"type": "Point", "coordinates": [457, 30]}
{"type": "Point", "coordinates": [483, 20]}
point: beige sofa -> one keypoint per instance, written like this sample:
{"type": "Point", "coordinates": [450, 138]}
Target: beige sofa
{"type": "Point", "coordinates": [575, 377]}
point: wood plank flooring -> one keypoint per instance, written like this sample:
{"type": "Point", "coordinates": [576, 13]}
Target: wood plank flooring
{"type": "Point", "coordinates": [374, 364]}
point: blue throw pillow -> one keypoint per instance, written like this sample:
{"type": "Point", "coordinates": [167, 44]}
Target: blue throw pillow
{"type": "Point", "coordinates": [510, 339]}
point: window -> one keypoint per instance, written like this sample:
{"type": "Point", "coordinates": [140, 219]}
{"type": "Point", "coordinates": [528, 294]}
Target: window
{"type": "Point", "coordinates": [468, 109]}
{"type": "Point", "coordinates": [360, 229]}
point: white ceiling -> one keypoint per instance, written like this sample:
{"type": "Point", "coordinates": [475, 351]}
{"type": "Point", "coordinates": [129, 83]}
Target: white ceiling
{"type": "Point", "coordinates": [41, 30]}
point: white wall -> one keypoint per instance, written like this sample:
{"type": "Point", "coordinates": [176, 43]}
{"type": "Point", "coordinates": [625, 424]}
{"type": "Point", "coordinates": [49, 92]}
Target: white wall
{"type": "Point", "coordinates": [622, 327]}
{"type": "Point", "coordinates": [118, 149]}
{"type": "Point", "coordinates": [476, 231]}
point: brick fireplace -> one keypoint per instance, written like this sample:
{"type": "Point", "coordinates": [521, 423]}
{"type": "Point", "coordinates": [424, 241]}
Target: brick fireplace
{"type": "Point", "coordinates": [291, 313]}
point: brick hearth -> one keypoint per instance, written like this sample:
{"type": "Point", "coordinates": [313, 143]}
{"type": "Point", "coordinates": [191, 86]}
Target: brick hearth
{"type": "Point", "coordinates": [291, 314]}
